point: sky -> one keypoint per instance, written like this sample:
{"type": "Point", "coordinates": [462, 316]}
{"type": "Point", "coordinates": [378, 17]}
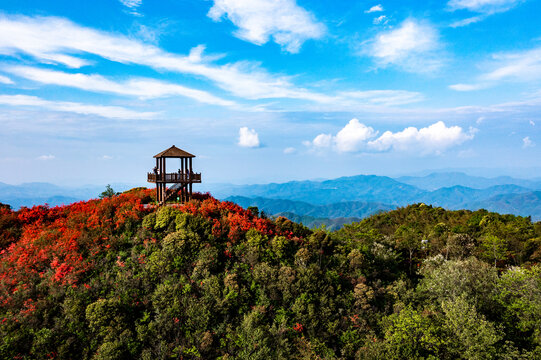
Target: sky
{"type": "Point", "coordinates": [268, 91]}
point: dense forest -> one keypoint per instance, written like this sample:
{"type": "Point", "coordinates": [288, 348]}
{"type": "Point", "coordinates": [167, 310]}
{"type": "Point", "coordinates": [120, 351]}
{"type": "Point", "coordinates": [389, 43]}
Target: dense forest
{"type": "Point", "coordinates": [119, 278]}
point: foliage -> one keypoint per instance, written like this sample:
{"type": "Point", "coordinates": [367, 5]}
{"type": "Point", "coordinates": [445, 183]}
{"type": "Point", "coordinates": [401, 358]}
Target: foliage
{"type": "Point", "coordinates": [119, 278]}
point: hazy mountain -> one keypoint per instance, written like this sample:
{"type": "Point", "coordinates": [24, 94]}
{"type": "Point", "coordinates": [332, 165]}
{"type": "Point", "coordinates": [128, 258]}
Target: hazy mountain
{"type": "Point", "coordinates": [457, 197]}
{"type": "Point", "coordinates": [435, 181]}
{"type": "Point", "coordinates": [349, 209]}
{"type": "Point", "coordinates": [312, 222]}
{"type": "Point", "coordinates": [362, 187]}
{"type": "Point", "coordinates": [38, 193]}
{"type": "Point", "coordinates": [525, 204]}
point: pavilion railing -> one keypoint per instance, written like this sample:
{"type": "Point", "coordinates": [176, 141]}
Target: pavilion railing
{"type": "Point", "coordinates": [175, 177]}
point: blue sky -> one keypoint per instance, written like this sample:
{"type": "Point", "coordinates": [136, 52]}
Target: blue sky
{"type": "Point", "coordinates": [265, 90]}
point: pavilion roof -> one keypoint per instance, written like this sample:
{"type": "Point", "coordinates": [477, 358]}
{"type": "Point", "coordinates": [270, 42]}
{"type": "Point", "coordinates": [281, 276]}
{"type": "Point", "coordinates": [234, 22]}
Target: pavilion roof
{"type": "Point", "coordinates": [174, 152]}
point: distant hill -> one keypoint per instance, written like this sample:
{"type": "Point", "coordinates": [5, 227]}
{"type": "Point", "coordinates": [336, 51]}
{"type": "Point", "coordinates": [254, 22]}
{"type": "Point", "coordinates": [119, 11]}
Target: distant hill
{"type": "Point", "coordinates": [362, 187]}
{"type": "Point", "coordinates": [459, 197]}
{"type": "Point", "coordinates": [435, 181]}
{"type": "Point", "coordinates": [316, 223]}
{"type": "Point", "coordinates": [333, 216]}
{"type": "Point", "coordinates": [524, 204]}
{"type": "Point", "coordinates": [39, 193]}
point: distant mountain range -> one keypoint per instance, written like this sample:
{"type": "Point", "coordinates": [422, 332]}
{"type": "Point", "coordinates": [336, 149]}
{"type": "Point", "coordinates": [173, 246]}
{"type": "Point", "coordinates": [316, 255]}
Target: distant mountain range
{"type": "Point", "coordinates": [337, 201]}
{"type": "Point", "coordinates": [37, 193]}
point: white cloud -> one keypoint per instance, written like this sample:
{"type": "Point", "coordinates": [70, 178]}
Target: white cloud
{"type": "Point", "coordinates": [57, 40]}
{"type": "Point", "coordinates": [382, 97]}
{"type": "Point", "coordinates": [380, 20]}
{"type": "Point", "coordinates": [288, 24]}
{"type": "Point", "coordinates": [322, 141]}
{"type": "Point", "coordinates": [5, 80]}
{"type": "Point", "coordinates": [140, 87]}
{"type": "Point", "coordinates": [467, 87]}
{"type": "Point", "coordinates": [521, 66]}
{"type": "Point", "coordinates": [353, 136]}
{"type": "Point", "coordinates": [467, 21]}
{"type": "Point", "coordinates": [435, 138]}
{"type": "Point", "coordinates": [112, 112]}
{"type": "Point", "coordinates": [375, 8]}
{"type": "Point", "coordinates": [412, 46]}
{"type": "Point", "coordinates": [248, 138]}
{"type": "Point", "coordinates": [106, 157]}
{"type": "Point", "coordinates": [532, 123]}
{"type": "Point", "coordinates": [527, 142]}
{"type": "Point", "coordinates": [483, 6]}
{"type": "Point", "coordinates": [132, 6]}
{"type": "Point", "coordinates": [479, 120]}
{"type": "Point", "coordinates": [51, 39]}
{"type": "Point", "coordinates": [46, 157]}
{"type": "Point", "coordinates": [290, 150]}
{"type": "Point", "coordinates": [357, 137]}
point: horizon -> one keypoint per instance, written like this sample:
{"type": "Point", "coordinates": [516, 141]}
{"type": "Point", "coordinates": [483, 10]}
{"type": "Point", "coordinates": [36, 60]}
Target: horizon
{"type": "Point", "coordinates": [330, 90]}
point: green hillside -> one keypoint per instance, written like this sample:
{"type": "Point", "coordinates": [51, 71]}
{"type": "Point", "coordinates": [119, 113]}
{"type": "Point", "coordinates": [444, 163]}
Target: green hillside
{"type": "Point", "coordinates": [119, 278]}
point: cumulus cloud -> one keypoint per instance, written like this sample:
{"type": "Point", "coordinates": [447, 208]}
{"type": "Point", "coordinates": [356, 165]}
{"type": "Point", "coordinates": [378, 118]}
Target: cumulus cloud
{"type": "Point", "coordinates": [375, 8]}
{"type": "Point", "coordinates": [140, 87]}
{"type": "Point", "coordinates": [248, 138]}
{"type": "Point", "coordinates": [5, 80]}
{"type": "Point", "coordinates": [527, 142]}
{"type": "Point", "coordinates": [412, 46]}
{"type": "Point", "coordinates": [111, 112]}
{"type": "Point", "coordinates": [435, 138]}
{"type": "Point", "coordinates": [288, 24]}
{"type": "Point", "coordinates": [353, 136]}
{"type": "Point", "coordinates": [46, 157]}
{"type": "Point", "coordinates": [357, 137]}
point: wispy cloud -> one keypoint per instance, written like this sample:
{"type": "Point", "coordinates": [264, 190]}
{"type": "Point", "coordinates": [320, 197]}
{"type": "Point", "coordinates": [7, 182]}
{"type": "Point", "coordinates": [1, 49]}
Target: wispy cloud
{"type": "Point", "coordinates": [46, 157]}
{"type": "Point", "coordinates": [248, 138]}
{"type": "Point", "coordinates": [288, 24]}
{"type": "Point", "coordinates": [290, 150]}
{"type": "Point", "coordinates": [483, 6]}
{"type": "Point", "coordinates": [380, 20]}
{"type": "Point", "coordinates": [527, 142]}
{"type": "Point", "coordinates": [357, 137]}
{"type": "Point", "coordinates": [412, 46]}
{"type": "Point", "coordinates": [140, 87]}
{"type": "Point", "coordinates": [522, 66]}
{"type": "Point", "coordinates": [375, 8]}
{"type": "Point", "coordinates": [132, 6]}
{"type": "Point", "coordinates": [50, 39]}
{"type": "Point", "coordinates": [111, 112]}
{"type": "Point", "coordinates": [5, 80]}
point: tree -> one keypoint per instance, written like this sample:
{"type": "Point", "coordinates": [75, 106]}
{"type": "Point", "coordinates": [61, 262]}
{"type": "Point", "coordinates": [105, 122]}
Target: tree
{"type": "Point", "coordinates": [494, 248]}
{"type": "Point", "coordinates": [109, 192]}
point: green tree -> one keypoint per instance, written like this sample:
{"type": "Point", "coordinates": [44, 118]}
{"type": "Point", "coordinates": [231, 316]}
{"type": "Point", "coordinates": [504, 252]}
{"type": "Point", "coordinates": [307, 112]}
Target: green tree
{"type": "Point", "coordinates": [109, 192]}
{"type": "Point", "coordinates": [494, 248]}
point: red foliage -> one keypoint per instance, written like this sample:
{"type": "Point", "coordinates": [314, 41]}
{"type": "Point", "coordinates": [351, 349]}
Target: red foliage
{"type": "Point", "coordinates": [58, 245]}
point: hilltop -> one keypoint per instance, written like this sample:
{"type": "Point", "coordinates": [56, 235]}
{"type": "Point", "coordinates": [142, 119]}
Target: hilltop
{"type": "Point", "coordinates": [119, 278]}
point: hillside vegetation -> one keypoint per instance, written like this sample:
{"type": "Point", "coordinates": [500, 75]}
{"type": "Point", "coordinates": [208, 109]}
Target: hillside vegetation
{"type": "Point", "coordinates": [118, 278]}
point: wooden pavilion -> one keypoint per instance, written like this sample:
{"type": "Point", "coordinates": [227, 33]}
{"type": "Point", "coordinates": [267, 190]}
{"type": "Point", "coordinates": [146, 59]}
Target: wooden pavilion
{"type": "Point", "coordinates": [182, 180]}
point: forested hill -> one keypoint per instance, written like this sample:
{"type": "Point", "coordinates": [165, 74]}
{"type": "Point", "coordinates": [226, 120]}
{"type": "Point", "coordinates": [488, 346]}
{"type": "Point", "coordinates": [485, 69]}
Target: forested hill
{"type": "Point", "coordinates": [119, 278]}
